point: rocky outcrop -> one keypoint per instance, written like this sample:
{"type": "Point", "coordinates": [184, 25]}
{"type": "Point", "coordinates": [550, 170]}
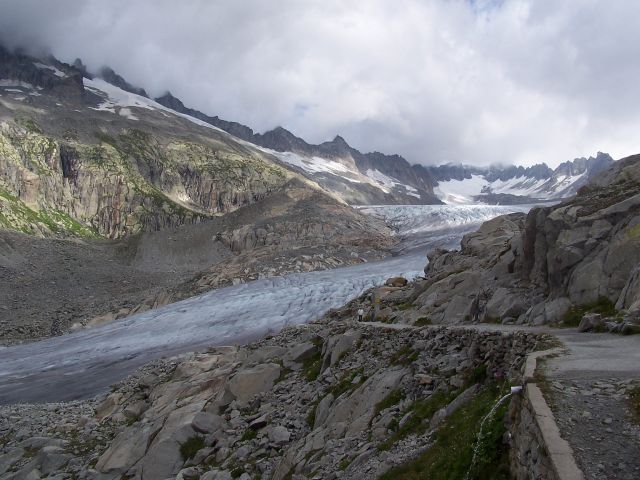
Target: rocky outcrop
{"type": "Point", "coordinates": [124, 184]}
{"type": "Point", "coordinates": [317, 398]}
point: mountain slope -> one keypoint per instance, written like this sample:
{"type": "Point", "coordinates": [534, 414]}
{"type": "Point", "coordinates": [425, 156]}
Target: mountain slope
{"type": "Point", "coordinates": [357, 178]}
{"type": "Point", "coordinates": [159, 204]}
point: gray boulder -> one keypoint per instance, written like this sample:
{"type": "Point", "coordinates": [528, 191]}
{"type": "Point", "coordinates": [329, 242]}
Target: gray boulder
{"type": "Point", "coordinates": [251, 381]}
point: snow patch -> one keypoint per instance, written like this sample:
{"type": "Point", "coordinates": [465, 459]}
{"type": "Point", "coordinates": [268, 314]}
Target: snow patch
{"type": "Point", "coordinates": [57, 72]}
{"type": "Point", "coordinates": [126, 112]}
{"type": "Point", "coordinates": [387, 183]}
{"type": "Point", "coordinates": [8, 82]}
{"type": "Point", "coordinates": [313, 165]}
{"type": "Point", "coordinates": [116, 97]}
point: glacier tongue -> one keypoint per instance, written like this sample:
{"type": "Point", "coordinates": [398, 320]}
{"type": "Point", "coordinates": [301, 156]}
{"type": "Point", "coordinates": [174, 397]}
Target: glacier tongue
{"type": "Point", "coordinates": [414, 219]}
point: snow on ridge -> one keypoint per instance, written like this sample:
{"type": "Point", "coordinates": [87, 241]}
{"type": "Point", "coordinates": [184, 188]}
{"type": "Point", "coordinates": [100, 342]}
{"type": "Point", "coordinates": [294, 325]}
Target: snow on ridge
{"type": "Point", "coordinates": [312, 164]}
{"type": "Point", "coordinates": [117, 98]}
{"type": "Point", "coordinates": [387, 183]}
{"type": "Point", "coordinates": [8, 82]}
{"type": "Point", "coordinates": [523, 186]}
{"type": "Point", "coordinates": [57, 72]}
{"type": "Point", "coordinates": [463, 192]}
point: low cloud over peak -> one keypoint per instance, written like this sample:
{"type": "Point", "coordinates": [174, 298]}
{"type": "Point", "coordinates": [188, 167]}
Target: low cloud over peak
{"type": "Point", "coordinates": [478, 82]}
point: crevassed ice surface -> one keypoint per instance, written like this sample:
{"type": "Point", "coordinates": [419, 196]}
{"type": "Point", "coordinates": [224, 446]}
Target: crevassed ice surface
{"type": "Point", "coordinates": [86, 362]}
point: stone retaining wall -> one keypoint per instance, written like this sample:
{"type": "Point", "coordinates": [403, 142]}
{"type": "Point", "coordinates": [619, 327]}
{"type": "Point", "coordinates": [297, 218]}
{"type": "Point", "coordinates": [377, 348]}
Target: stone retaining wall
{"type": "Point", "coordinates": [537, 449]}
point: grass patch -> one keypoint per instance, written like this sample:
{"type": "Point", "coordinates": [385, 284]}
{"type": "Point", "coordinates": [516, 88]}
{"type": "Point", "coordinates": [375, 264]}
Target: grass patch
{"type": "Point", "coordinates": [192, 446]}
{"type": "Point", "coordinates": [346, 383]}
{"type": "Point", "coordinates": [405, 356]}
{"type": "Point", "coordinates": [423, 322]}
{"type": "Point", "coordinates": [494, 320]}
{"type": "Point", "coordinates": [344, 464]}
{"type": "Point", "coordinates": [311, 367]}
{"type": "Point", "coordinates": [603, 306]}
{"type": "Point", "coordinates": [405, 306]}
{"type": "Point", "coordinates": [393, 398]}
{"type": "Point", "coordinates": [422, 411]}
{"type": "Point", "coordinates": [450, 455]}
{"type": "Point", "coordinates": [237, 472]}
{"type": "Point", "coordinates": [311, 414]}
{"type": "Point", "coordinates": [30, 125]}
{"type": "Point", "coordinates": [476, 375]}
{"type": "Point", "coordinates": [249, 434]}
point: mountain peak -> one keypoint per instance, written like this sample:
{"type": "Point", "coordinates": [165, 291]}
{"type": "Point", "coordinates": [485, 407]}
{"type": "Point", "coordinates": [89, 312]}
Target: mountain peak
{"type": "Point", "coordinates": [338, 139]}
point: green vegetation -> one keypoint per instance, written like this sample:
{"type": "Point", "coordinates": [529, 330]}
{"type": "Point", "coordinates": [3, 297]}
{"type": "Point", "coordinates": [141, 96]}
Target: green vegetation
{"type": "Point", "coordinates": [476, 375]}
{"type": "Point", "coordinates": [192, 446]}
{"type": "Point", "coordinates": [634, 232]}
{"type": "Point", "coordinates": [344, 464]}
{"type": "Point", "coordinates": [237, 472]}
{"type": "Point", "coordinates": [450, 456]}
{"type": "Point", "coordinates": [494, 320]}
{"type": "Point", "coordinates": [30, 125]}
{"type": "Point", "coordinates": [405, 306]}
{"type": "Point", "coordinates": [311, 414]}
{"type": "Point", "coordinates": [393, 398]}
{"type": "Point", "coordinates": [16, 215]}
{"type": "Point", "coordinates": [421, 412]}
{"type": "Point", "coordinates": [405, 356]}
{"type": "Point", "coordinates": [347, 383]}
{"type": "Point", "coordinates": [603, 306]}
{"type": "Point", "coordinates": [634, 399]}
{"type": "Point", "coordinates": [311, 367]}
{"type": "Point", "coordinates": [423, 322]}
{"type": "Point", "coordinates": [249, 434]}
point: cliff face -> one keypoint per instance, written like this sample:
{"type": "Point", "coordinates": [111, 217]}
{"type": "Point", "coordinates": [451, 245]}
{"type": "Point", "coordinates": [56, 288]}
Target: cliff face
{"type": "Point", "coordinates": [122, 184]}
{"type": "Point", "coordinates": [536, 267]}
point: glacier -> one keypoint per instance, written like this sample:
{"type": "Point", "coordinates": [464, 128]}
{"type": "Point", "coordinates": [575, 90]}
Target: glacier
{"type": "Point", "coordinates": [84, 363]}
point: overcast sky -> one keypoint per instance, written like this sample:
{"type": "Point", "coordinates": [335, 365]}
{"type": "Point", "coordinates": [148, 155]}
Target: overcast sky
{"type": "Point", "coordinates": [478, 82]}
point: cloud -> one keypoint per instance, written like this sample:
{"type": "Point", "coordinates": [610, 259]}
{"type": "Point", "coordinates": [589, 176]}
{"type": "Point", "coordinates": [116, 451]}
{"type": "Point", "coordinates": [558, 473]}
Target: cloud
{"type": "Point", "coordinates": [482, 81]}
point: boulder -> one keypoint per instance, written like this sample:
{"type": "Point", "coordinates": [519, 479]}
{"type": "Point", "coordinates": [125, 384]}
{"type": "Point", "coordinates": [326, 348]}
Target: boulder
{"type": "Point", "coordinates": [52, 459]}
{"type": "Point", "coordinates": [322, 410]}
{"type": "Point", "coordinates": [301, 352]}
{"type": "Point", "coordinates": [336, 346]}
{"type": "Point", "coordinates": [127, 448]}
{"type": "Point", "coordinates": [264, 354]}
{"type": "Point", "coordinates": [279, 434]}
{"type": "Point", "coordinates": [503, 304]}
{"type": "Point", "coordinates": [205, 422]}
{"type": "Point", "coordinates": [108, 406]}
{"type": "Point", "coordinates": [10, 458]}
{"type": "Point", "coordinates": [590, 321]}
{"type": "Point", "coordinates": [188, 474]}
{"type": "Point", "coordinates": [396, 282]}
{"type": "Point", "coordinates": [248, 382]}
{"type": "Point", "coordinates": [163, 460]}
{"type": "Point", "coordinates": [356, 410]}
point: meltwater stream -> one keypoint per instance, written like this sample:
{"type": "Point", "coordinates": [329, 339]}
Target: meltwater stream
{"type": "Point", "coordinates": [84, 363]}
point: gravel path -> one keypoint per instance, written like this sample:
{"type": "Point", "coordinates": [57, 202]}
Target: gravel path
{"type": "Point", "coordinates": [594, 416]}
{"type": "Point", "coordinates": [588, 393]}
